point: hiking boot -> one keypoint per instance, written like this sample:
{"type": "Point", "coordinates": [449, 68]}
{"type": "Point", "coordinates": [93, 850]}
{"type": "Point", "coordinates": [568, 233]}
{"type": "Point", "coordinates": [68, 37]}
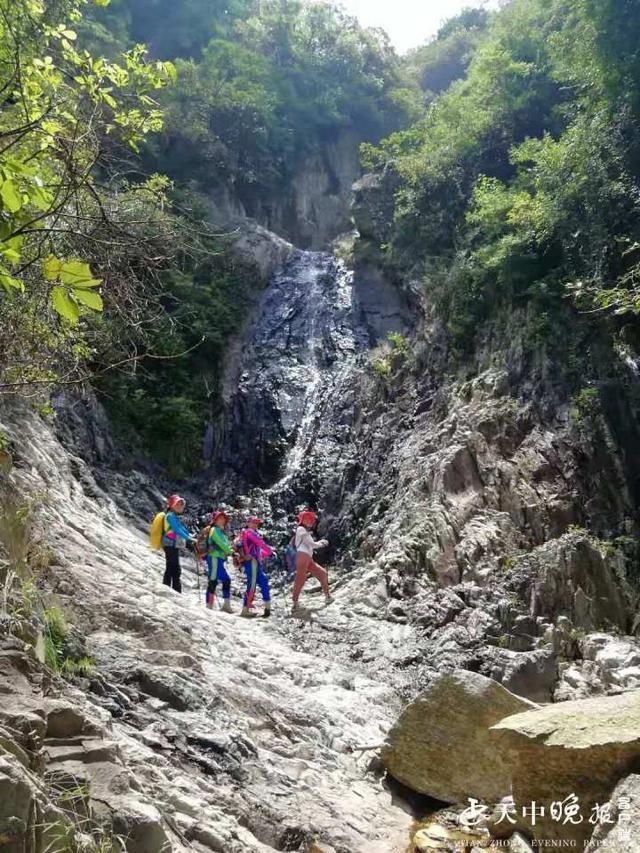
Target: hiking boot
{"type": "Point", "coordinates": [226, 607]}
{"type": "Point", "coordinates": [329, 599]}
{"type": "Point", "coordinates": [247, 613]}
{"type": "Point", "coordinates": [266, 613]}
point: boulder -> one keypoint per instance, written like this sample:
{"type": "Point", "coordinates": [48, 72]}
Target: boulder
{"type": "Point", "coordinates": [65, 720]}
{"type": "Point", "coordinates": [19, 809]}
{"type": "Point", "coordinates": [570, 749]}
{"type": "Point", "coordinates": [529, 674]}
{"type": "Point", "coordinates": [140, 825]}
{"type": "Point", "coordinates": [441, 746]}
{"type": "Point", "coordinates": [620, 834]}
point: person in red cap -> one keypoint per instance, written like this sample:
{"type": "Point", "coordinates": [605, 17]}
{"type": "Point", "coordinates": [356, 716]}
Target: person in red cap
{"type": "Point", "coordinates": [255, 551]}
{"type": "Point", "coordinates": [305, 564]}
{"type": "Point", "coordinates": [218, 549]}
{"type": "Point", "coordinates": [175, 534]}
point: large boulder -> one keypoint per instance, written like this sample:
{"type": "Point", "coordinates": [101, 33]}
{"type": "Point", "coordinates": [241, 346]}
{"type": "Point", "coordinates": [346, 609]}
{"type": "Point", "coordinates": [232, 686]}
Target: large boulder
{"type": "Point", "coordinates": [441, 746]}
{"type": "Point", "coordinates": [571, 749]}
{"type": "Point", "coordinates": [618, 832]}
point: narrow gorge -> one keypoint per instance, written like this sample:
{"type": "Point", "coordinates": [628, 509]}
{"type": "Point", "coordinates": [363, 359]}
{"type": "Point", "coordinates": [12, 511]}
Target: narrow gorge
{"type": "Point", "coordinates": [398, 290]}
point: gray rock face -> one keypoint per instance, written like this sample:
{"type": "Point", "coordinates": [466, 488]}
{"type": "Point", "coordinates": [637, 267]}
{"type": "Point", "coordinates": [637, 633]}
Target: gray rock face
{"type": "Point", "coordinates": [198, 729]}
{"type": "Point", "coordinates": [573, 577]}
{"type": "Point", "coordinates": [578, 749]}
{"type": "Point", "coordinates": [372, 207]}
{"type": "Point", "coordinates": [441, 744]}
{"type": "Point", "coordinates": [617, 831]}
{"type": "Point", "coordinates": [312, 211]}
{"type": "Point", "coordinates": [291, 390]}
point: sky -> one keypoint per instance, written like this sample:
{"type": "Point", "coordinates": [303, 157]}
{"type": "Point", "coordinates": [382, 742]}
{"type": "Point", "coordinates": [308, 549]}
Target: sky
{"type": "Point", "coordinates": [409, 23]}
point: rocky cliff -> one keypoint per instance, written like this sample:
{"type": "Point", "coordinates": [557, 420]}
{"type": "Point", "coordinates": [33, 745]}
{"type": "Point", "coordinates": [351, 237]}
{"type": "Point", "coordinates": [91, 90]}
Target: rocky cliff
{"type": "Point", "coordinates": [191, 730]}
{"type": "Point", "coordinates": [482, 521]}
{"type": "Point", "coordinates": [312, 209]}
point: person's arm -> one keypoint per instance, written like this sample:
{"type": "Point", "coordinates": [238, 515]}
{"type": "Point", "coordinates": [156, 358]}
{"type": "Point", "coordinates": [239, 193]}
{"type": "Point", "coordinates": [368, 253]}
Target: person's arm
{"type": "Point", "coordinates": [221, 541]}
{"type": "Point", "coordinates": [260, 544]}
{"type": "Point", "coordinates": [177, 526]}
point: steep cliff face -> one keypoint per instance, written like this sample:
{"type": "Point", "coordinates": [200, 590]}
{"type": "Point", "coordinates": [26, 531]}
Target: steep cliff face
{"type": "Point", "coordinates": [292, 386]}
{"type": "Point", "coordinates": [312, 209]}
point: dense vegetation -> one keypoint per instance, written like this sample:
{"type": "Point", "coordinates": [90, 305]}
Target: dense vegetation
{"type": "Point", "coordinates": [110, 270]}
{"type": "Point", "coordinates": [510, 148]}
{"type": "Point", "coordinates": [519, 184]}
{"type": "Point", "coordinates": [260, 85]}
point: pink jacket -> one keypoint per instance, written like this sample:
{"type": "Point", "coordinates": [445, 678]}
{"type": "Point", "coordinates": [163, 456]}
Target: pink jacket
{"type": "Point", "coordinates": [255, 546]}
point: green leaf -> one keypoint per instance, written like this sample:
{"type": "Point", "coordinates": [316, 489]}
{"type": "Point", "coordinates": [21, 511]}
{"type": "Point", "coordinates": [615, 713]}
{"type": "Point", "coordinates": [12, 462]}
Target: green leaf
{"type": "Point", "coordinates": [10, 283]}
{"type": "Point", "coordinates": [11, 250]}
{"type": "Point", "coordinates": [64, 305]}
{"type": "Point", "coordinates": [77, 273]}
{"type": "Point", "coordinates": [51, 268]}
{"type": "Point", "coordinates": [39, 198]}
{"type": "Point", "coordinates": [89, 298]}
{"type": "Point", "coordinates": [10, 196]}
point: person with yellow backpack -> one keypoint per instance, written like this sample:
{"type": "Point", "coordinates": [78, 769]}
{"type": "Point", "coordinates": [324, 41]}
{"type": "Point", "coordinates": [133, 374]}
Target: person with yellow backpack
{"type": "Point", "coordinates": [170, 534]}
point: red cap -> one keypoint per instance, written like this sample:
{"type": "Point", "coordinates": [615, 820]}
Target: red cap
{"type": "Point", "coordinates": [307, 518]}
{"type": "Point", "coordinates": [174, 500]}
{"type": "Point", "coordinates": [255, 520]}
{"type": "Point", "coordinates": [219, 513]}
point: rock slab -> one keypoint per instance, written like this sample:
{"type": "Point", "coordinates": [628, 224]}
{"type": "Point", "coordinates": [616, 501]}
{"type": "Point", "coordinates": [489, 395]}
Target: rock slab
{"type": "Point", "coordinates": [441, 744]}
{"type": "Point", "coordinates": [569, 750]}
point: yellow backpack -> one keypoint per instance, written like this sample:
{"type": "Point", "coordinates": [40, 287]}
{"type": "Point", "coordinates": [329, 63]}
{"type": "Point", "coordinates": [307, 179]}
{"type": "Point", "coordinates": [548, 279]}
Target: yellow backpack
{"type": "Point", "coordinates": [157, 531]}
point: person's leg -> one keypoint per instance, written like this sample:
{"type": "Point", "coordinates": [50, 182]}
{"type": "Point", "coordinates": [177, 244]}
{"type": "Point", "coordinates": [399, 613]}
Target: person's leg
{"type": "Point", "coordinates": [263, 582]}
{"type": "Point", "coordinates": [321, 574]}
{"type": "Point", "coordinates": [302, 567]}
{"type": "Point", "coordinates": [223, 577]}
{"type": "Point", "coordinates": [166, 580]}
{"type": "Point", "coordinates": [177, 571]}
{"type": "Point", "coordinates": [251, 571]}
{"type": "Point", "coordinates": [212, 580]}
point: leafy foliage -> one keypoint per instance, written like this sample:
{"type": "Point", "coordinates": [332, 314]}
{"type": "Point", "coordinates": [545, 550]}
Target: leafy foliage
{"type": "Point", "coordinates": [520, 182]}
{"type": "Point", "coordinates": [260, 84]}
{"type": "Point", "coordinates": [58, 106]}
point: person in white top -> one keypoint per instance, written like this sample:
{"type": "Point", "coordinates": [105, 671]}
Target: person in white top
{"type": "Point", "coordinates": [305, 564]}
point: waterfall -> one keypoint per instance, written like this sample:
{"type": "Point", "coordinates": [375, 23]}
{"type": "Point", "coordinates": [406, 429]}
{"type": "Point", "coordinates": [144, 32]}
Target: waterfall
{"type": "Point", "coordinates": [290, 409]}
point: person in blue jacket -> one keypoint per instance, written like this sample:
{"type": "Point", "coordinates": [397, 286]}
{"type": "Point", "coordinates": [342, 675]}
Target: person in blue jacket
{"type": "Point", "coordinates": [175, 535]}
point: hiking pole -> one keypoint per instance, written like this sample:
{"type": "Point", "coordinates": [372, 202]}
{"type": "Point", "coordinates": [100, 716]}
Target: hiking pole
{"type": "Point", "coordinates": [197, 559]}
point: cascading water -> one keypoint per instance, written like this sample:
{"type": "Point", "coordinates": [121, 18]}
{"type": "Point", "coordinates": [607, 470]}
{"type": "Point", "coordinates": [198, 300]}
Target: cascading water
{"type": "Point", "coordinates": [291, 406]}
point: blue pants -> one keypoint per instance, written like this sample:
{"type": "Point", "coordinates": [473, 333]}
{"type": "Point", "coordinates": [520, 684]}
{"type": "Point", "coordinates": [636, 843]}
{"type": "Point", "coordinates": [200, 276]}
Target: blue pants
{"type": "Point", "coordinates": [217, 571]}
{"type": "Point", "coordinates": [255, 575]}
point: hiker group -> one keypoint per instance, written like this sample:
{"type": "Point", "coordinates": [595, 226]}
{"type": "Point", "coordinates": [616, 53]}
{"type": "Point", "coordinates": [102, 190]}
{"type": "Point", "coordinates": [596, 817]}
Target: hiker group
{"type": "Point", "coordinates": [248, 550]}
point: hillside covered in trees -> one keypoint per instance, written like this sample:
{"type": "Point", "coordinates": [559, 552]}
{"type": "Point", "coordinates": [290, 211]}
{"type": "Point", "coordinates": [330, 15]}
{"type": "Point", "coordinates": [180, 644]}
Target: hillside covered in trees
{"type": "Point", "coordinates": [506, 149]}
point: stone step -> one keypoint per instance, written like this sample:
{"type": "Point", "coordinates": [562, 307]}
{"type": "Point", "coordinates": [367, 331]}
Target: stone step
{"type": "Point", "coordinates": [85, 750]}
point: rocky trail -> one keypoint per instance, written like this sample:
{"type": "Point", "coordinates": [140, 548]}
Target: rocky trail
{"type": "Point", "coordinates": [220, 733]}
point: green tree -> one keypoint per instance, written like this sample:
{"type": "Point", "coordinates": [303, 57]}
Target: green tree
{"type": "Point", "coordinates": [58, 107]}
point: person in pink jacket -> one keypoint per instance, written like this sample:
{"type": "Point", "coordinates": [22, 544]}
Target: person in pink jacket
{"type": "Point", "coordinates": [256, 551]}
